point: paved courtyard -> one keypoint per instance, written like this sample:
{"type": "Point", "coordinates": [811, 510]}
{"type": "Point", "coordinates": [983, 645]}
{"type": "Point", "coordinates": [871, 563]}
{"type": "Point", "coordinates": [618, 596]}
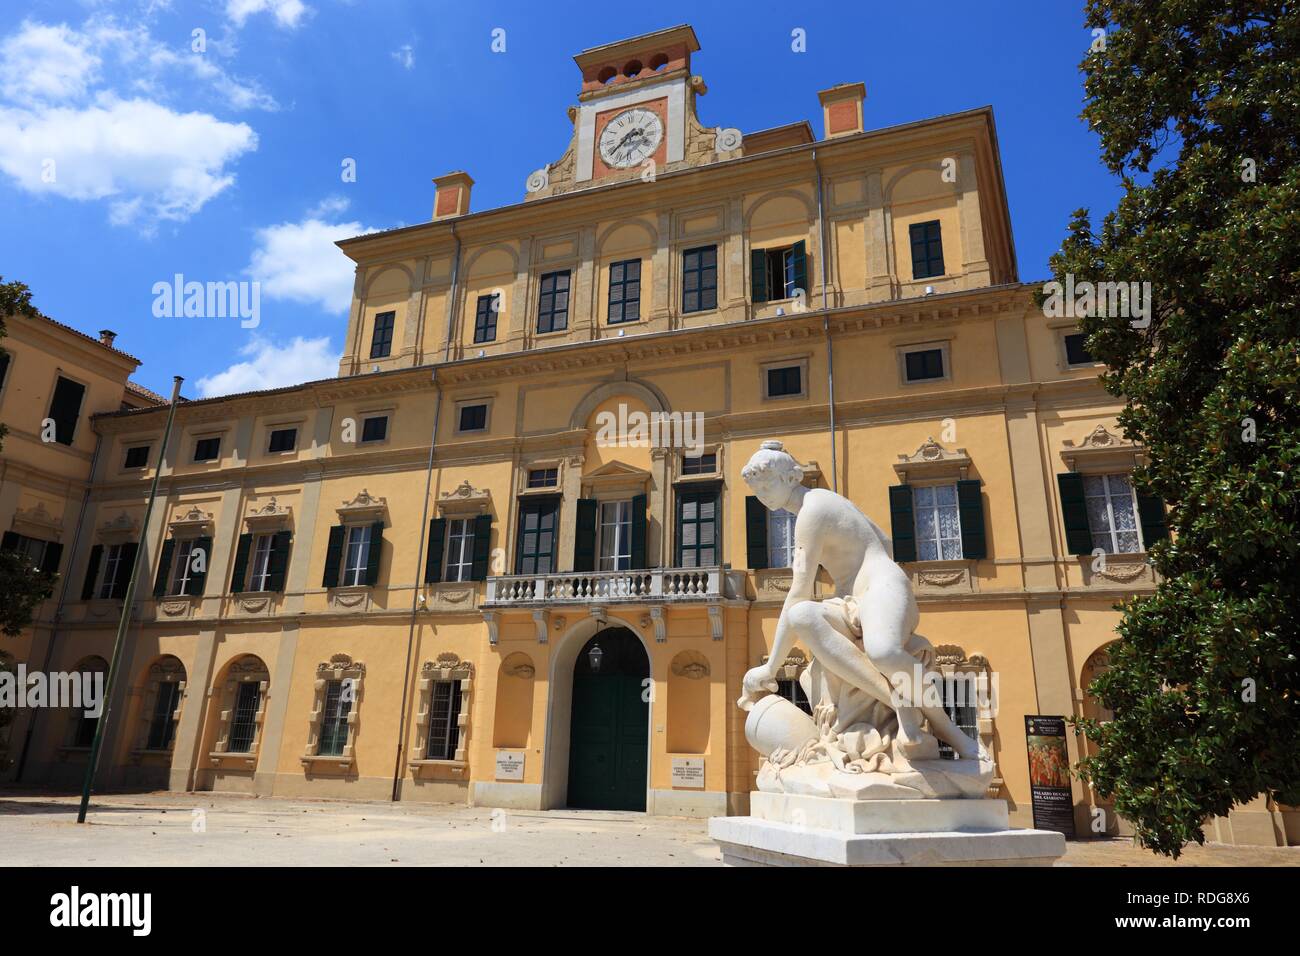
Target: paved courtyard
{"type": "Point", "coordinates": [229, 830]}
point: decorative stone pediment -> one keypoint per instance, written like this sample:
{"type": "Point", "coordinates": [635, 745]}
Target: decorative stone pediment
{"type": "Point", "coordinates": [932, 460]}
{"type": "Point", "coordinates": [1101, 449]}
{"type": "Point", "coordinates": [616, 476]}
{"type": "Point", "coordinates": [793, 665]}
{"type": "Point", "coordinates": [122, 528]}
{"type": "Point", "coordinates": [447, 666]}
{"type": "Point", "coordinates": [269, 517]}
{"type": "Point", "coordinates": [36, 522]}
{"type": "Point", "coordinates": [340, 666]}
{"type": "Point", "coordinates": [465, 499]}
{"type": "Point", "coordinates": [192, 521]}
{"type": "Point", "coordinates": [364, 507]}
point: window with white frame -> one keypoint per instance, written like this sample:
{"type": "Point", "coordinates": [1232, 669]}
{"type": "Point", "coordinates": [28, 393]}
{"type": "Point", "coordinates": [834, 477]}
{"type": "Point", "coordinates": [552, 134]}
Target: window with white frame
{"type": "Point", "coordinates": [357, 555]}
{"type": "Point", "coordinates": [938, 524]}
{"type": "Point", "coordinates": [780, 538]}
{"type": "Point", "coordinates": [444, 720]}
{"type": "Point", "coordinates": [260, 579]}
{"type": "Point", "coordinates": [334, 717]}
{"type": "Point", "coordinates": [615, 535]}
{"type": "Point", "coordinates": [460, 550]}
{"type": "Point", "coordinates": [1112, 513]}
{"type": "Point", "coordinates": [181, 570]}
{"type": "Point", "coordinates": [113, 559]}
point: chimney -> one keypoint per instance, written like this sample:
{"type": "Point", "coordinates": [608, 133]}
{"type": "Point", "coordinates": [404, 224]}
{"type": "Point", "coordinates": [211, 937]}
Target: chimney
{"type": "Point", "coordinates": [842, 109]}
{"type": "Point", "coordinates": [106, 337]}
{"type": "Point", "coordinates": [451, 196]}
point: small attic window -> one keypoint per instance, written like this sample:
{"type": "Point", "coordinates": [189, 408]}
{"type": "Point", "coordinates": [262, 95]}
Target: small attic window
{"type": "Point", "coordinates": [606, 75]}
{"type": "Point", "coordinates": [633, 68]}
{"type": "Point", "coordinates": [659, 61]}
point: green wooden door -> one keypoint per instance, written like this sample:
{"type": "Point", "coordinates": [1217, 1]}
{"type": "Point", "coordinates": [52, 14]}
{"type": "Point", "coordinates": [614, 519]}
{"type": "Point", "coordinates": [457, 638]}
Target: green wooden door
{"type": "Point", "coordinates": [610, 726]}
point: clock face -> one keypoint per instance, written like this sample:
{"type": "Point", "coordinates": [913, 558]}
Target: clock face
{"type": "Point", "coordinates": [631, 137]}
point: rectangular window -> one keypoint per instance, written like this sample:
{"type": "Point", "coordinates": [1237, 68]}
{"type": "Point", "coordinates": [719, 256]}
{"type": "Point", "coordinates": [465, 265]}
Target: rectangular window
{"type": "Point", "coordinates": [181, 571]}
{"type": "Point", "coordinates": [780, 273]}
{"type": "Point", "coordinates": [615, 536]}
{"type": "Point", "coordinates": [553, 302]}
{"type": "Point", "coordinates": [85, 733]}
{"type": "Point", "coordinates": [625, 291]}
{"type": "Point", "coordinates": [358, 554]}
{"type": "Point", "coordinates": [927, 249]}
{"type": "Point", "coordinates": [243, 722]}
{"type": "Point", "coordinates": [700, 279]}
{"type": "Point", "coordinates": [780, 538]}
{"type": "Point", "coordinates": [334, 718]}
{"type": "Point", "coordinates": [1112, 513]}
{"type": "Point", "coordinates": [705, 464]}
{"type": "Point", "coordinates": [112, 566]}
{"type": "Point", "coordinates": [283, 439]}
{"type": "Point", "coordinates": [959, 705]}
{"type": "Point", "coordinates": [136, 457]}
{"type": "Point", "coordinates": [485, 317]}
{"type": "Point", "coordinates": [33, 549]}
{"type": "Point", "coordinates": [938, 524]}
{"type": "Point", "coordinates": [536, 547]}
{"type": "Point", "coordinates": [375, 428]}
{"type": "Point", "coordinates": [444, 720]}
{"type": "Point", "coordinates": [381, 341]}
{"type": "Point", "coordinates": [65, 408]}
{"type": "Point", "coordinates": [473, 418]}
{"type": "Point", "coordinates": [207, 449]}
{"type": "Point", "coordinates": [260, 578]}
{"type": "Point", "coordinates": [543, 477]}
{"type": "Point", "coordinates": [785, 381]}
{"type": "Point", "coordinates": [924, 364]}
{"type": "Point", "coordinates": [792, 691]}
{"type": "Point", "coordinates": [1076, 352]}
{"type": "Point", "coordinates": [697, 529]}
{"type": "Point", "coordinates": [162, 723]}
{"type": "Point", "coordinates": [460, 550]}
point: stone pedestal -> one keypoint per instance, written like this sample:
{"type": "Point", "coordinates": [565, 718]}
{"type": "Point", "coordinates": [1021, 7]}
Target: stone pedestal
{"type": "Point", "coordinates": [791, 830]}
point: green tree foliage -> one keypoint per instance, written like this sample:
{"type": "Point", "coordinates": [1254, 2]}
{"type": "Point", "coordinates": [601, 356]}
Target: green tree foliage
{"type": "Point", "coordinates": [1197, 106]}
{"type": "Point", "coordinates": [22, 587]}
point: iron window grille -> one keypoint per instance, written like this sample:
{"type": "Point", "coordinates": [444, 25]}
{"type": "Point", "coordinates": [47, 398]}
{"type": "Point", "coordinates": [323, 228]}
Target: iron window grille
{"type": "Point", "coordinates": [243, 724]}
{"type": "Point", "coordinates": [162, 723]}
{"type": "Point", "coordinates": [334, 718]}
{"type": "Point", "coordinates": [444, 720]}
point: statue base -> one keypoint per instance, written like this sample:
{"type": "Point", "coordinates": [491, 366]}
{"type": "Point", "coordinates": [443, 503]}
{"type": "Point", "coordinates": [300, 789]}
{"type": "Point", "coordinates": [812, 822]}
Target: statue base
{"type": "Point", "coordinates": [794, 830]}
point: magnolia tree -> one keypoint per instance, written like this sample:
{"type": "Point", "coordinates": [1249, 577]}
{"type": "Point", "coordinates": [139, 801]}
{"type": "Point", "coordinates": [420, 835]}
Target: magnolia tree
{"type": "Point", "coordinates": [1197, 107]}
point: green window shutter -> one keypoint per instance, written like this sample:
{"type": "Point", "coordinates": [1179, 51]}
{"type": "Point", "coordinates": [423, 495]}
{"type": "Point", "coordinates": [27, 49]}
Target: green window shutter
{"type": "Point", "coordinates": [755, 533]}
{"type": "Point", "coordinates": [9, 542]}
{"type": "Point", "coordinates": [1074, 511]}
{"type": "Point", "coordinates": [758, 275]}
{"type": "Point", "coordinates": [164, 568]}
{"type": "Point", "coordinates": [376, 550]}
{"type": "Point", "coordinates": [240, 574]}
{"type": "Point", "coordinates": [1151, 515]}
{"type": "Point", "coordinates": [50, 560]}
{"type": "Point", "coordinates": [799, 253]}
{"type": "Point", "coordinates": [333, 557]}
{"type": "Point", "coordinates": [970, 509]}
{"type": "Point", "coordinates": [124, 569]}
{"type": "Point", "coordinates": [279, 562]}
{"type": "Point", "coordinates": [199, 578]}
{"type": "Point", "coordinates": [902, 526]}
{"type": "Point", "coordinates": [433, 554]}
{"type": "Point", "coordinates": [478, 569]}
{"type": "Point", "coordinates": [638, 532]}
{"type": "Point", "coordinates": [584, 543]}
{"type": "Point", "coordinates": [92, 571]}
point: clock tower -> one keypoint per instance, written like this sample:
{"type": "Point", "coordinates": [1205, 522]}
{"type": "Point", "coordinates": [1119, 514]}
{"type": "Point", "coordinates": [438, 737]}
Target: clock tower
{"type": "Point", "coordinates": [635, 113]}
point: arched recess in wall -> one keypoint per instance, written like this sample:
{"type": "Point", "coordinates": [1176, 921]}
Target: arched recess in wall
{"type": "Point", "coordinates": [160, 689]}
{"type": "Point", "coordinates": [653, 398]}
{"type": "Point", "coordinates": [626, 235]}
{"type": "Point", "coordinates": [918, 193]}
{"type": "Point", "coordinates": [688, 703]}
{"type": "Point", "coordinates": [512, 723]}
{"type": "Point", "coordinates": [238, 712]}
{"type": "Point", "coordinates": [390, 284]}
{"type": "Point", "coordinates": [780, 208]}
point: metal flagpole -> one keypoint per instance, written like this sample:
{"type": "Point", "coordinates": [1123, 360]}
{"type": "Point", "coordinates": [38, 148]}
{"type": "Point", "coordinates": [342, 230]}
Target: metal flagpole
{"type": "Point", "coordinates": [127, 605]}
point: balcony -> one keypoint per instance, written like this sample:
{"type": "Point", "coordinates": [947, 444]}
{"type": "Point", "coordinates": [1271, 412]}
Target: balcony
{"type": "Point", "coordinates": [649, 586]}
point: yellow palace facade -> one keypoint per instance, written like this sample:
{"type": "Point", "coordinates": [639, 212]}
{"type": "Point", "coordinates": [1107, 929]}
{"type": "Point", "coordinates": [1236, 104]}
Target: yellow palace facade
{"type": "Point", "coordinates": [437, 577]}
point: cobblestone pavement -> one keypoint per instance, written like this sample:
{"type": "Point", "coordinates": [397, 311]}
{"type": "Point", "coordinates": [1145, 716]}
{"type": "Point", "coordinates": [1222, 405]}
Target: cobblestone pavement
{"type": "Point", "coordinates": [229, 830]}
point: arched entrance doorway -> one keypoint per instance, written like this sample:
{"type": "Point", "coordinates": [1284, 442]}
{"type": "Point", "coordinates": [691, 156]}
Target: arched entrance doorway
{"type": "Point", "coordinates": [609, 723]}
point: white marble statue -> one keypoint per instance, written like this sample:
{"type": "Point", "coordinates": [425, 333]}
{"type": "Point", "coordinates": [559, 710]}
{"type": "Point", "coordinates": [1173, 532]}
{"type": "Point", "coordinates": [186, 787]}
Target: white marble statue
{"type": "Point", "coordinates": [876, 715]}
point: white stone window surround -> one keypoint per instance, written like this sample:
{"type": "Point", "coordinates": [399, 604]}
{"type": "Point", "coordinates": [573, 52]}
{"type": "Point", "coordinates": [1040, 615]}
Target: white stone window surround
{"type": "Point", "coordinates": [447, 667]}
{"type": "Point", "coordinates": [340, 667]}
{"type": "Point", "coordinates": [160, 673]}
{"type": "Point", "coordinates": [674, 132]}
{"type": "Point", "coordinates": [240, 672]}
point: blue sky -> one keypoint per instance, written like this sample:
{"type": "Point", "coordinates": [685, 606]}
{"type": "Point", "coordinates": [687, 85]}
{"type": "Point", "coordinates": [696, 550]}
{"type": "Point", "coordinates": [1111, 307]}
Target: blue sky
{"type": "Point", "coordinates": [225, 164]}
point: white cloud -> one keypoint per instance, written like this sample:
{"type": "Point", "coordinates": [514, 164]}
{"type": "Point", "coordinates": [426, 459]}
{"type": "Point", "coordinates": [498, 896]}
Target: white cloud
{"type": "Point", "coordinates": [267, 365]}
{"type": "Point", "coordinates": [405, 55]}
{"type": "Point", "coordinates": [43, 63]}
{"type": "Point", "coordinates": [299, 262]}
{"type": "Point", "coordinates": [287, 13]}
{"type": "Point", "coordinates": [151, 161]}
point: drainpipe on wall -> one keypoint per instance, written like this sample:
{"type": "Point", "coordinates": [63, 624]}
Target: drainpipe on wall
{"type": "Point", "coordinates": [418, 590]}
{"type": "Point", "coordinates": [58, 608]}
{"type": "Point", "coordinates": [826, 325]}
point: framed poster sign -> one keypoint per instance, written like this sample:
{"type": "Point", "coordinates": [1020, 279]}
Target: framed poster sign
{"type": "Point", "coordinates": [1049, 774]}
